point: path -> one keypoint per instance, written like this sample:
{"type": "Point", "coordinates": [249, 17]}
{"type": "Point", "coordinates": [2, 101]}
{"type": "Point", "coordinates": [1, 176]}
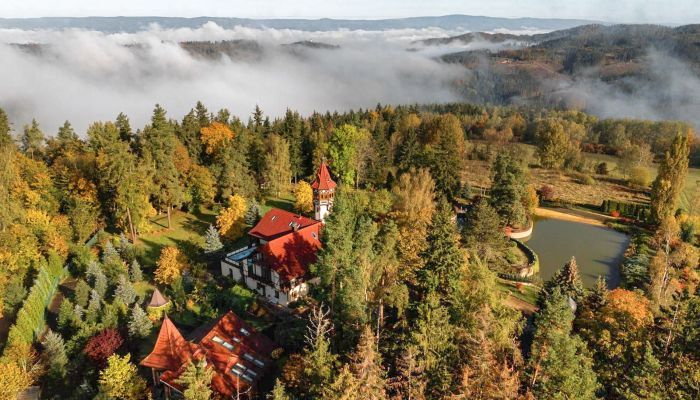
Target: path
{"type": "Point", "coordinates": [520, 305]}
{"type": "Point", "coordinates": [565, 214]}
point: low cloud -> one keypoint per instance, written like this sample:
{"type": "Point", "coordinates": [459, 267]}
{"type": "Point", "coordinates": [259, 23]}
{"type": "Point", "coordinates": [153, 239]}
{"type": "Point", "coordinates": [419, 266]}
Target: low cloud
{"type": "Point", "coordinates": [84, 76]}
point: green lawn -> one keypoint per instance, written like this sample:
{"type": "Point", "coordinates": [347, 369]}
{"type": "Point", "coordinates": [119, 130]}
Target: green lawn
{"type": "Point", "coordinates": [284, 202]}
{"type": "Point", "coordinates": [528, 293]}
{"type": "Point", "coordinates": [186, 233]}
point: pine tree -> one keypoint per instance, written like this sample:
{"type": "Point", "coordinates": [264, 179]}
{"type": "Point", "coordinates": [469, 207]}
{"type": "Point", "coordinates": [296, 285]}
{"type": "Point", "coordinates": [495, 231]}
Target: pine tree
{"type": "Point", "coordinates": [507, 190]}
{"type": "Point", "coordinates": [365, 364]}
{"type": "Point", "coordinates": [94, 307]}
{"type": "Point", "coordinates": [81, 294]}
{"type": "Point", "coordinates": [65, 314]}
{"type": "Point", "coordinates": [135, 271]}
{"type": "Point", "coordinates": [483, 232]}
{"type": "Point", "coordinates": [5, 135]}
{"type": "Point", "coordinates": [669, 183]}
{"type": "Point", "coordinates": [55, 356]}
{"type": "Point", "coordinates": [560, 366]}
{"type": "Point", "coordinates": [410, 380]}
{"type": "Point", "coordinates": [444, 260]}
{"type": "Point", "coordinates": [124, 126]}
{"type": "Point", "coordinates": [568, 280]}
{"type": "Point", "coordinates": [212, 240]}
{"type": "Point", "coordinates": [139, 323]}
{"type": "Point", "coordinates": [278, 392]}
{"type": "Point", "coordinates": [125, 291]}
{"type": "Point", "coordinates": [197, 381]}
{"type": "Point", "coordinates": [318, 361]}
{"type": "Point", "coordinates": [33, 140]}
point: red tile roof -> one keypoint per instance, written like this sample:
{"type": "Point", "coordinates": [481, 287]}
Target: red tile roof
{"type": "Point", "coordinates": [276, 223]}
{"type": "Point", "coordinates": [171, 349]}
{"type": "Point", "coordinates": [323, 178]}
{"type": "Point", "coordinates": [292, 254]}
{"type": "Point", "coordinates": [244, 344]}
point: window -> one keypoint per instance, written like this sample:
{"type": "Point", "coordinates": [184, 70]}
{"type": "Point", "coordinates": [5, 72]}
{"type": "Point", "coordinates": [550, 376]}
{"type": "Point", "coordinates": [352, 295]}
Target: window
{"type": "Point", "coordinates": [222, 342]}
{"type": "Point", "coordinates": [254, 360]}
{"type": "Point", "coordinates": [242, 371]}
{"type": "Point", "coordinates": [274, 217]}
{"type": "Point", "coordinates": [277, 294]}
{"type": "Point", "coordinates": [245, 332]}
{"type": "Point", "coordinates": [261, 288]}
{"type": "Point", "coordinates": [248, 357]}
{"type": "Point", "coordinates": [237, 340]}
{"type": "Point", "coordinates": [259, 363]}
{"type": "Point", "coordinates": [313, 234]}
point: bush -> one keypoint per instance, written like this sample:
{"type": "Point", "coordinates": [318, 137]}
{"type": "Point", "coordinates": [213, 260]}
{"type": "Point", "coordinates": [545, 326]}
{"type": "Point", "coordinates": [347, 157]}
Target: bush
{"type": "Point", "coordinates": [602, 169]}
{"type": "Point", "coordinates": [103, 345]}
{"type": "Point", "coordinates": [640, 177]}
{"type": "Point", "coordinates": [584, 179]}
{"type": "Point", "coordinates": [547, 192]}
{"type": "Point", "coordinates": [641, 212]}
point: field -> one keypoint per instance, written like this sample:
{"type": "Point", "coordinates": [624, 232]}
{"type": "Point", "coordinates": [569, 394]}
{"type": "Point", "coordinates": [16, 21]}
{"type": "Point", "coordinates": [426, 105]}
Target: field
{"type": "Point", "coordinates": [570, 190]}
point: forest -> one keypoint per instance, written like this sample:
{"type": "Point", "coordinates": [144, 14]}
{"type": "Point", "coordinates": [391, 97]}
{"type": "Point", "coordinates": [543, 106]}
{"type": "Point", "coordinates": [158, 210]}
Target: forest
{"type": "Point", "coordinates": [408, 302]}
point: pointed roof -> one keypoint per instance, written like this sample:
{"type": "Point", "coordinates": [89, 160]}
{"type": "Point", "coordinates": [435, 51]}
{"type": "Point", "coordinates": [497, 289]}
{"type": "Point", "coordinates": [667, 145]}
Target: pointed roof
{"type": "Point", "coordinates": [323, 178]}
{"type": "Point", "coordinates": [157, 299]}
{"type": "Point", "coordinates": [171, 349]}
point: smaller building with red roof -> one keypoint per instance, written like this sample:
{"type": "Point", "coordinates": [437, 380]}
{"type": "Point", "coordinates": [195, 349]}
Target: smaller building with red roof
{"type": "Point", "coordinates": [237, 354]}
{"type": "Point", "coordinates": [283, 245]}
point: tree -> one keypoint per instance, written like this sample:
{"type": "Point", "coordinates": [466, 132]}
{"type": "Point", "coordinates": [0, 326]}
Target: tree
{"type": "Point", "coordinates": [125, 291]}
{"type": "Point", "coordinates": [444, 260]}
{"type": "Point", "coordinates": [568, 280]}
{"type": "Point", "coordinates": [33, 140]}
{"type": "Point", "coordinates": [170, 265]}
{"type": "Point", "coordinates": [278, 392]}
{"type": "Point", "coordinates": [5, 136]}
{"type": "Point", "coordinates": [201, 186]}
{"type": "Point", "coordinates": [634, 156]}
{"type": "Point", "coordinates": [81, 294]}
{"type": "Point", "coordinates": [365, 365]}
{"type": "Point", "coordinates": [102, 345]}
{"type": "Point", "coordinates": [54, 354]}
{"type": "Point", "coordinates": [120, 380]}
{"type": "Point", "coordinates": [559, 365]}
{"type": "Point", "coordinates": [669, 183]}
{"type": "Point", "coordinates": [139, 324]}
{"type": "Point", "coordinates": [483, 232]}
{"type": "Point", "coordinates": [317, 360]}
{"type": "Point", "coordinates": [135, 273]}
{"type": "Point", "coordinates": [508, 190]}
{"type": "Point", "coordinates": [344, 149]}
{"type": "Point", "coordinates": [304, 197]}
{"type": "Point", "coordinates": [216, 136]}
{"type": "Point", "coordinates": [552, 142]}
{"type": "Point", "coordinates": [19, 369]}
{"type": "Point", "coordinates": [196, 378]}
{"type": "Point", "coordinates": [212, 240]}
{"type": "Point", "coordinates": [231, 219]}
{"type": "Point", "coordinates": [410, 380]}
{"type": "Point", "coordinates": [277, 173]}
{"type": "Point", "coordinates": [159, 147]}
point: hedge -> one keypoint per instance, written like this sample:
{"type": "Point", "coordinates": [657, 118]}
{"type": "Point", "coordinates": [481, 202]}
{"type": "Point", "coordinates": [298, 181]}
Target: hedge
{"type": "Point", "coordinates": [517, 278]}
{"type": "Point", "coordinates": [31, 318]}
{"type": "Point", "coordinates": [641, 212]}
{"type": "Point", "coordinates": [532, 257]}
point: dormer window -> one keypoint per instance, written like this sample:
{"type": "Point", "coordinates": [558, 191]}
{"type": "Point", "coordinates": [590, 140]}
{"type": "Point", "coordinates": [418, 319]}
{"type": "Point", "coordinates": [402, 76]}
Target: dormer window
{"type": "Point", "coordinates": [222, 342]}
{"type": "Point", "coordinates": [244, 332]}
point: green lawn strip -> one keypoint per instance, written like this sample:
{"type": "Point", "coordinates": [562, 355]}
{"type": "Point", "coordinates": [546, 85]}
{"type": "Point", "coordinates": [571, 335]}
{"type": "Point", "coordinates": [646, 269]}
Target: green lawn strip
{"type": "Point", "coordinates": [527, 293]}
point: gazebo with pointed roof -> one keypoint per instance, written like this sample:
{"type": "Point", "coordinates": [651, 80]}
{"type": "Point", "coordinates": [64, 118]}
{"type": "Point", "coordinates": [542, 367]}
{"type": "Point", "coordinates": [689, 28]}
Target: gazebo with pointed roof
{"type": "Point", "coordinates": [158, 300]}
{"type": "Point", "coordinates": [170, 352]}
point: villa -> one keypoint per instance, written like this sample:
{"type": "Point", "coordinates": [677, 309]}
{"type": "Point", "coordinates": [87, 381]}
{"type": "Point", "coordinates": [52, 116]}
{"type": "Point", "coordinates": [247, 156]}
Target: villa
{"type": "Point", "coordinates": [237, 354]}
{"type": "Point", "coordinates": [282, 246]}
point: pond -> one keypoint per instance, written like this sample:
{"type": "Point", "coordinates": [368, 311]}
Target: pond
{"type": "Point", "coordinates": [598, 250]}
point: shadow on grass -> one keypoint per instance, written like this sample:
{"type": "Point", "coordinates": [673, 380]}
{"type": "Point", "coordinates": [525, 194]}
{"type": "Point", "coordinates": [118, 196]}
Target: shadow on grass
{"type": "Point", "coordinates": [284, 204]}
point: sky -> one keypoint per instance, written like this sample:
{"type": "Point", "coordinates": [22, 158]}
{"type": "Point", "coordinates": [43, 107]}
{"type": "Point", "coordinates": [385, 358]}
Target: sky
{"type": "Point", "coordinates": [625, 11]}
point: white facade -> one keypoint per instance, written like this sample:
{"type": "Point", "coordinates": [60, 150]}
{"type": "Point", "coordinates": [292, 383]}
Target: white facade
{"type": "Point", "coordinates": [265, 281]}
{"type": "Point", "coordinates": [323, 203]}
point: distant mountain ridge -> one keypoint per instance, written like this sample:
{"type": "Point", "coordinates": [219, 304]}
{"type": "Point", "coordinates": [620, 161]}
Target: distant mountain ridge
{"type": "Point", "coordinates": [135, 24]}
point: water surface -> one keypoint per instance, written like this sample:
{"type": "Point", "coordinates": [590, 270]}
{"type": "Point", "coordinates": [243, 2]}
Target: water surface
{"type": "Point", "coordinates": [598, 250]}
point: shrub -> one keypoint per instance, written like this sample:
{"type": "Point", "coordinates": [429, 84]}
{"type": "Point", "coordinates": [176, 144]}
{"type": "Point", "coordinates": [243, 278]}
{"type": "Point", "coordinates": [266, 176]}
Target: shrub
{"type": "Point", "coordinates": [615, 214]}
{"type": "Point", "coordinates": [639, 177]}
{"type": "Point", "coordinates": [103, 345]}
{"type": "Point", "coordinates": [584, 179]}
{"type": "Point", "coordinates": [547, 192]}
{"type": "Point", "coordinates": [602, 169]}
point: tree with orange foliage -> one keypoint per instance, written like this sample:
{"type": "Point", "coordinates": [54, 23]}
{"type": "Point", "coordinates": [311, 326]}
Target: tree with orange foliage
{"type": "Point", "coordinates": [215, 136]}
{"type": "Point", "coordinates": [232, 219]}
{"type": "Point", "coordinates": [171, 264]}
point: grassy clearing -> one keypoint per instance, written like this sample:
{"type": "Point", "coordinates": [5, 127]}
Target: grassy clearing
{"type": "Point", "coordinates": [285, 202]}
{"type": "Point", "coordinates": [527, 293]}
{"type": "Point", "coordinates": [186, 233]}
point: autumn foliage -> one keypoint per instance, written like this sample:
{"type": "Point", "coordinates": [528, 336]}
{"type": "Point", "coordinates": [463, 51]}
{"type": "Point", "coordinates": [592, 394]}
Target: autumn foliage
{"type": "Point", "coordinates": [215, 136]}
{"type": "Point", "coordinates": [232, 219]}
{"type": "Point", "coordinates": [304, 197]}
{"type": "Point", "coordinates": [171, 264]}
{"type": "Point", "coordinates": [103, 345]}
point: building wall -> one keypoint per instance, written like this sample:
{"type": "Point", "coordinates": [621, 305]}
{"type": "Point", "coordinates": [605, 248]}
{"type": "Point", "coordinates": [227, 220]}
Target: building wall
{"type": "Point", "coordinates": [271, 292]}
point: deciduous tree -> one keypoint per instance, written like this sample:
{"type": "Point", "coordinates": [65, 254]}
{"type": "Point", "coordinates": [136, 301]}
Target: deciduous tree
{"type": "Point", "coordinates": [120, 380]}
{"type": "Point", "coordinates": [196, 378]}
{"type": "Point", "coordinates": [668, 185]}
{"type": "Point", "coordinates": [170, 265]}
{"type": "Point", "coordinates": [231, 219]}
{"type": "Point", "coordinates": [304, 197]}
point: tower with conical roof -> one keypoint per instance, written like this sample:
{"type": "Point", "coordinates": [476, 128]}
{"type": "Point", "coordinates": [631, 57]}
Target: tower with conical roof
{"type": "Point", "coordinates": [324, 192]}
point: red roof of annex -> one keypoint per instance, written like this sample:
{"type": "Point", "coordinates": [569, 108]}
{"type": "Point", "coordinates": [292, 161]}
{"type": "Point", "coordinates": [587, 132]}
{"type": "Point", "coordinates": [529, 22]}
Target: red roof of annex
{"type": "Point", "coordinates": [276, 223]}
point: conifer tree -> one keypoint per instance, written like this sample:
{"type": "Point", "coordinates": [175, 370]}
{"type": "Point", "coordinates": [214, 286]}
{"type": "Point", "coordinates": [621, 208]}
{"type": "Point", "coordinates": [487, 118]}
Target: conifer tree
{"type": "Point", "coordinates": [560, 366]}
{"type": "Point", "coordinates": [94, 307]}
{"type": "Point", "coordinates": [278, 392]}
{"type": "Point", "coordinates": [318, 361]}
{"type": "Point", "coordinates": [197, 381]}
{"type": "Point", "coordinates": [212, 240]}
{"type": "Point", "coordinates": [139, 323]}
{"type": "Point", "coordinates": [65, 314]}
{"type": "Point", "coordinates": [120, 379]}
{"type": "Point", "coordinates": [135, 272]}
{"type": "Point", "coordinates": [125, 291]}
{"type": "Point", "coordinates": [5, 136]}
{"type": "Point", "coordinates": [54, 354]}
{"type": "Point", "coordinates": [277, 173]}
{"type": "Point", "coordinates": [410, 380]}
{"type": "Point", "coordinates": [669, 183]}
{"type": "Point", "coordinates": [483, 232]}
{"type": "Point", "coordinates": [252, 215]}
{"type": "Point", "coordinates": [33, 140]}
{"type": "Point", "coordinates": [568, 280]}
{"type": "Point", "coordinates": [507, 190]}
{"type": "Point", "coordinates": [365, 365]}
{"type": "Point", "coordinates": [81, 294]}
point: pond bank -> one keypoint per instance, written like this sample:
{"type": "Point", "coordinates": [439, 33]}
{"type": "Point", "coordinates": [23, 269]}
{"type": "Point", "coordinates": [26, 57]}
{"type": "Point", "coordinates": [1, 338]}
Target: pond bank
{"type": "Point", "coordinates": [565, 214]}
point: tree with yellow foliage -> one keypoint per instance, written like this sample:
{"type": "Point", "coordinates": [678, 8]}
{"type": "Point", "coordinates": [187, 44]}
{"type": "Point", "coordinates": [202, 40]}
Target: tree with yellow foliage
{"type": "Point", "coordinates": [171, 264]}
{"type": "Point", "coordinates": [232, 219]}
{"type": "Point", "coordinates": [215, 136]}
{"type": "Point", "coordinates": [120, 380]}
{"type": "Point", "coordinates": [304, 197]}
{"type": "Point", "coordinates": [19, 369]}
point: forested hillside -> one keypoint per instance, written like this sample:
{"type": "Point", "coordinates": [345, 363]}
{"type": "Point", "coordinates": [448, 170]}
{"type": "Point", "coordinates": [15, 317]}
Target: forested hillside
{"type": "Point", "coordinates": [411, 301]}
